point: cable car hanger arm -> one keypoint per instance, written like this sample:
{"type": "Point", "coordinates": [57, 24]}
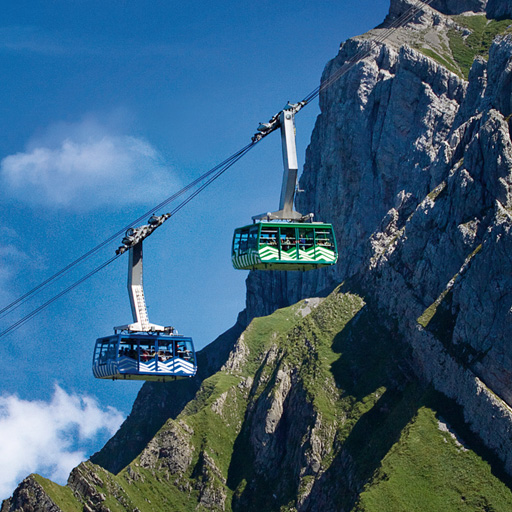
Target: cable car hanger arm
{"type": "Point", "coordinates": [286, 121]}
{"type": "Point", "coordinates": [133, 242]}
{"type": "Point", "coordinates": [135, 236]}
{"type": "Point", "coordinates": [274, 123]}
{"type": "Point", "coordinates": [137, 299]}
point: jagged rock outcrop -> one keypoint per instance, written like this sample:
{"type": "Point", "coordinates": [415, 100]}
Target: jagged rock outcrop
{"type": "Point", "coordinates": [170, 449]}
{"type": "Point", "coordinates": [30, 497]}
{"type": "Point", "coordinates": [459, 6]}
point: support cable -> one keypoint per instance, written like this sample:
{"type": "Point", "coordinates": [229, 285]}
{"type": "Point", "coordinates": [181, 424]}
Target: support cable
{"type": "Point", "coordinates": [27, 296]}
{"type": "Point", "coordinates": [266, 128]}
{"type": "Point", "coordinates": [33, 313]}
{"type": "Point", "coordinates": [212, 174]}
{"type": "Point", "coordinates": [220, 169]}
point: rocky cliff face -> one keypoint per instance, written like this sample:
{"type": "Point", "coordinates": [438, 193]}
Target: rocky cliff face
{"type": "Point", "coordinates": [413, 165]}
{"type": "Point", "coordinates": [324, 405]}
{"type": "Point", "coordinates": [431, 154]}
{"type": "Point", "coordinates": [499, 9]}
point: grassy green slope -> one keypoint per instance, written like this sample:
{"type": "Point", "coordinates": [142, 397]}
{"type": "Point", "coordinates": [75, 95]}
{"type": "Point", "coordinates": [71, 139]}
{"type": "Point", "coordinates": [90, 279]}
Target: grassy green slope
{"type": "Point", "coordinates": [471, 37]}
{"type": "Point", "coordinates": [477, 43]}
{"type": "Point", "coordinates": [430, 469]}
{"type": "Point", "coordinates": [62, 496]}
{"type": "Point", "coordinates": [382, 448]}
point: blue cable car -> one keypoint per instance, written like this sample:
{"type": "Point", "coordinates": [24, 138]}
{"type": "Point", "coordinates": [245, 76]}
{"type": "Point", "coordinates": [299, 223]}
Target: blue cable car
{"type": "Point", "coordinates": [144, 356]}
{"type": "Point", "coordinates": [141, 350]}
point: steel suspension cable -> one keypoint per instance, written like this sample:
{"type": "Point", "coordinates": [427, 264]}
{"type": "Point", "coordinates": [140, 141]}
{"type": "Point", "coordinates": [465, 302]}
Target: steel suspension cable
{"type": "Point", "coordinates": [215, 172]}
{"type": "Point", "coordinates": [213, 178]}
{"type": "Point", "coordinates": [33, 313]}
{"type": "Point", "coordinates": [267, 128]}
{"type": "Point", "coordinates": [27, 296]}
{"type": "Point", "coordinates": [220, 168]}
{"type": "Point", "coordinates": [363, 53]}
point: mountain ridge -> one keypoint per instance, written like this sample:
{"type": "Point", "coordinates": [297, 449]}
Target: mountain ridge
{"type": "Point", "coordinates": [316, 403]}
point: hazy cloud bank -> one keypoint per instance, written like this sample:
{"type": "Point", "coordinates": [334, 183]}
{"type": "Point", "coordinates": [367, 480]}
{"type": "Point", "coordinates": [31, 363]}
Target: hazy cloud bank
{"type": "Point", "coordinates": [86, 165]}
{"type": "Point", "coordinates": [49, 438]}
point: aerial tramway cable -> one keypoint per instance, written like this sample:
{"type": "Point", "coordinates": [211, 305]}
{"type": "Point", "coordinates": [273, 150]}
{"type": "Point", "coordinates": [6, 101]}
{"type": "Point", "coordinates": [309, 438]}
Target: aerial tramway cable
{"type": "Point", "coordinates": [212, 175]}
{"type": "Point", "coordinates": [33, 313]}
{"type": "Point", "coordinates": [223, 166]}
{"type": "Point", "coordinates": [220, 169]}
{"type": "Point", "coordinates": [401, 20]}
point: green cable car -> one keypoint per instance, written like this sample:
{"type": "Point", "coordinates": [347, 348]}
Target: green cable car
{"type": "Point", "coordinates": [284, 246]}
{"type": "Point", "coordinates": [286, 239]}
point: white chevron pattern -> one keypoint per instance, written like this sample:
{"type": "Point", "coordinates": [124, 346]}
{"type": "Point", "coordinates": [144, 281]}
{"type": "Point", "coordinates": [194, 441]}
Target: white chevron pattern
{"type": "Point", "coordinates": [126, 367]}
{"type": "Point", "coordinates": [267, 254]}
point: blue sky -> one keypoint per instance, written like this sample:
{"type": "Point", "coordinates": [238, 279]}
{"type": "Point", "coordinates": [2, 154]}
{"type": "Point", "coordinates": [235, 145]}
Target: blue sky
{"type": "Point", "coordinates": [107, 109]}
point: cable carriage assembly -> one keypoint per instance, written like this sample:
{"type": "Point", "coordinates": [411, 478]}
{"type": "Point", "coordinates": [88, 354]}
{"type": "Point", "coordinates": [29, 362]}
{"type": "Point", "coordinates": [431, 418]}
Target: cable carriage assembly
{"type": "Point", "coordinates": [282, 240]}
{"type": "Point", "coordinates": [142, 350]}
{"type": "Point", "coordinates": [285, 239]}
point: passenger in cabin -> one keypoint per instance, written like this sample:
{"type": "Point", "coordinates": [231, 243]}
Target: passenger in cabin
{"type": "Point", "coordinates": [288, 243]}
{"type": "Point", "coordinates": [144, 356]}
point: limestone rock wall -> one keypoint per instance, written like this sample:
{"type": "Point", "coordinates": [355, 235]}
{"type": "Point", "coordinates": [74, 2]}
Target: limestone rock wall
{"type": "Point", "coordinates": [448, 263]}
{"type": "Point", "coordinates": [413, 165]}
{"type": "Point", "coordinates": [373, 145]}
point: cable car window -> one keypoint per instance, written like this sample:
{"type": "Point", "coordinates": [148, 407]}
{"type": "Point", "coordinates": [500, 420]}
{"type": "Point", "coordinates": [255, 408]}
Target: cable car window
{"type": "Point", "coordinates": [96, 355]}
{"type": "Point", "coordinates": [236, 242]}
{"type": "Point", "coordinates": [147, 351]}
{"type": "Point", "coordinates": [306, 238]}
{"type": "Point", "coordinates": [185, 351]}
{"type": "Point", "coordinates": [165, 350]}
{"type": "Point", "coordinates": [268, 236]}
{"type": "Point", "coordinates": [324, 238]}
{"type": "Point", "coordinates": [253, 238]}
{"type": "Point", "coordinates": [106, 351]}
{"type": "Point", "coordinates": [127, 350]}
{"type": "Point", "coordinates": [287, 239]}
{"type": "Point", "coordinates": [243, 241]}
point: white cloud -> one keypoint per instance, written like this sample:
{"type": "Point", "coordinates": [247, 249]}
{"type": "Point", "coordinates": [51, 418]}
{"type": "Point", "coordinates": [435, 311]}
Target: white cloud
{"type": "Point", "coordinates": [49, 438]}
{"type": "Point", "coordinates": [86, 165]}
